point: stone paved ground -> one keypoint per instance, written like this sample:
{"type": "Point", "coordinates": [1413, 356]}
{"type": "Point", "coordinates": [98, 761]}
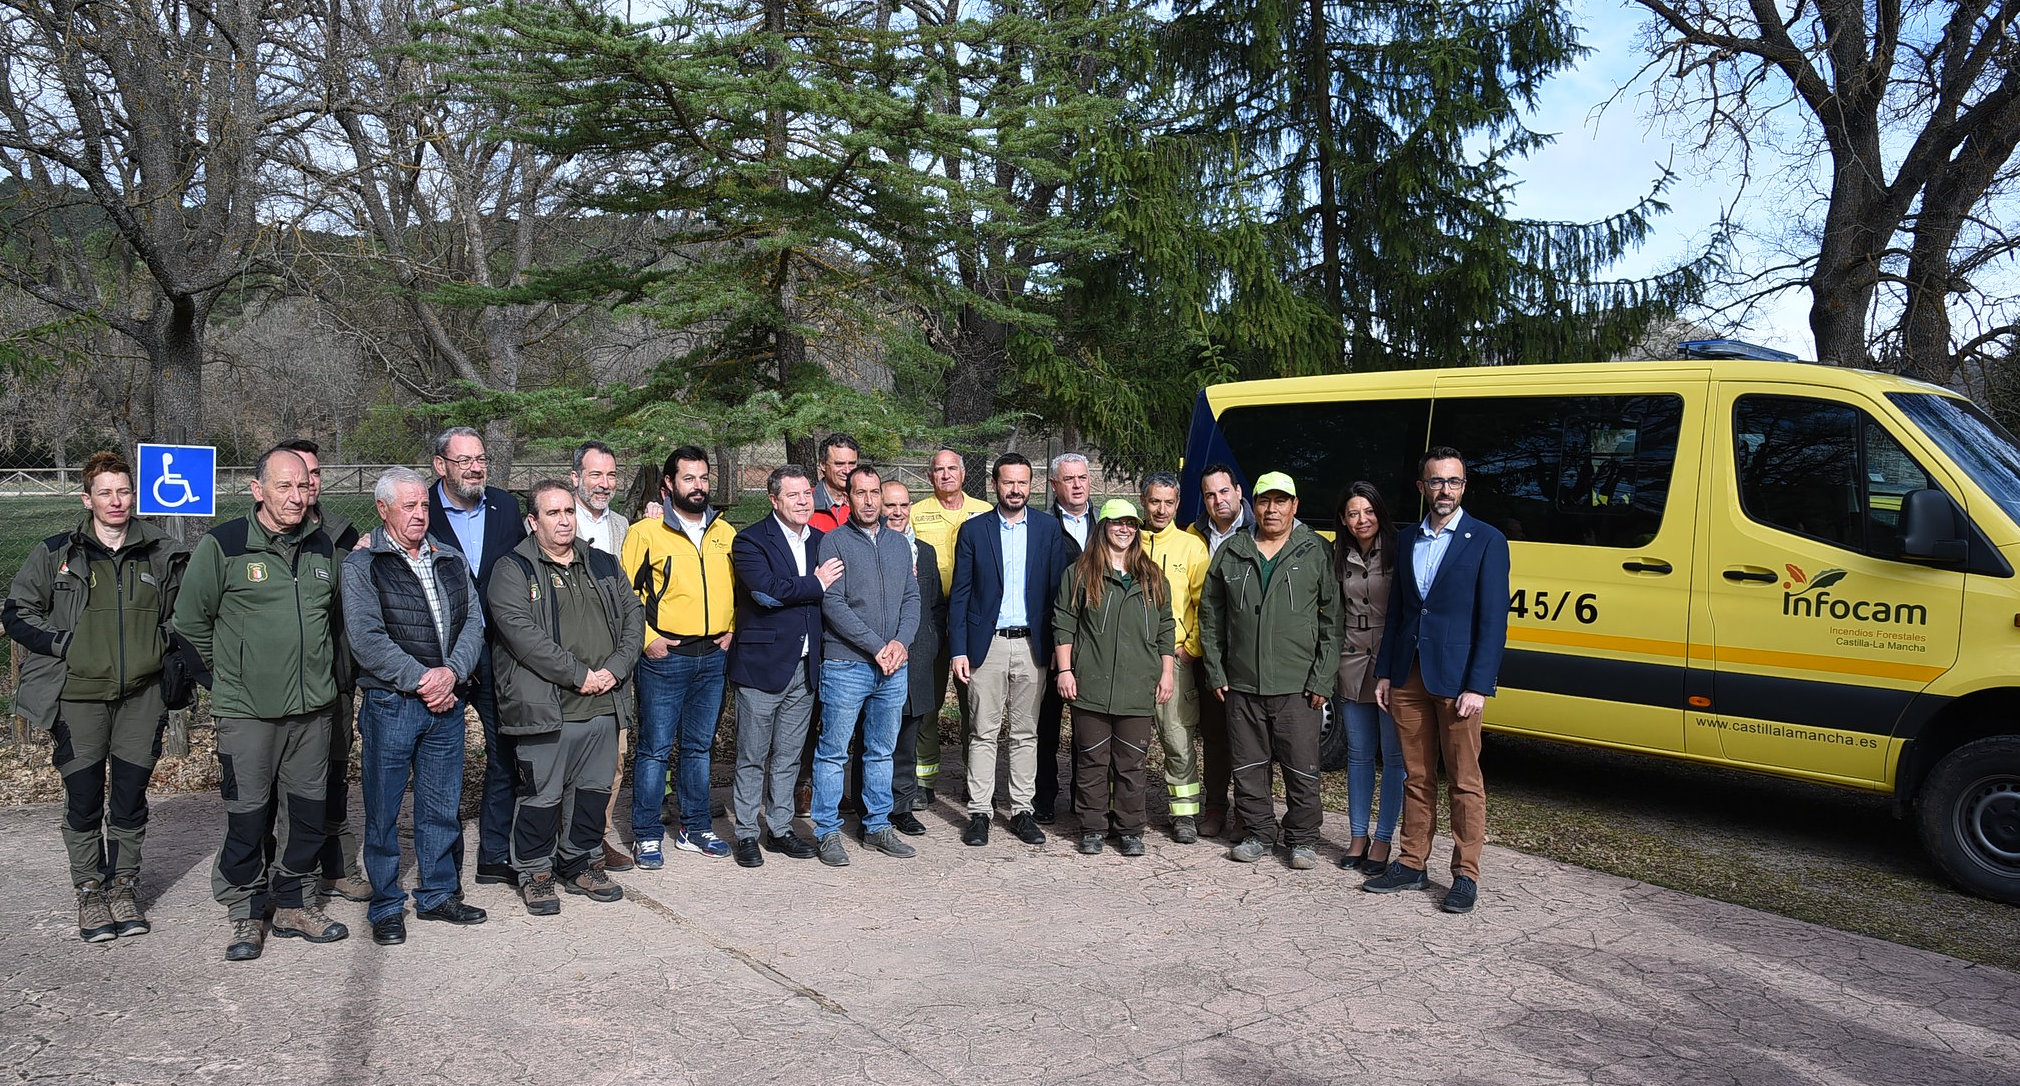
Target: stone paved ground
{"type": "Point", "coordinates": [1006, 964]}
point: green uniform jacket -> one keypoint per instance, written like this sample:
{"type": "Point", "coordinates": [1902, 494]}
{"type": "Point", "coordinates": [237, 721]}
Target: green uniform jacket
{"type": "Point", "coordinates": [1118, 647]}
{"type": "Point", "coordinates": [527, 659]}
{"type": "Point", "coordinates": [53, 590]}
{"type": "Point", "coordinates": [1284, 639]}
{"type": "Point", "coordinates": [263, 613]}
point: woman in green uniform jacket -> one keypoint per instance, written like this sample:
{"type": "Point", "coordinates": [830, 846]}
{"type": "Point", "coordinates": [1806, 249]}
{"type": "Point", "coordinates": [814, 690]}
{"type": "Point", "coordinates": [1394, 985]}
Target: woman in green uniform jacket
{"type": "Point", "coordinates": [1113, 630]}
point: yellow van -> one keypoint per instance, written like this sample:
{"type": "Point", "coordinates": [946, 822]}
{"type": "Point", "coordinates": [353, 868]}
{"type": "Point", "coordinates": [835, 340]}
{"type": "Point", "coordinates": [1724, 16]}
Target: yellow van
{"type": "Point", "coordinates": [1775, 566]}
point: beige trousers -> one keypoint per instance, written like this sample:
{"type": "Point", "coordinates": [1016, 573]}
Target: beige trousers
{"type": "Point", "coordinates": [1003, 698]}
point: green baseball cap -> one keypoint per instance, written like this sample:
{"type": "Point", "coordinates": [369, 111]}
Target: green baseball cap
{"type": "Point", "coordinates": [1277, 481]}
{"type": "Point", "coordinates": [1120, 509]}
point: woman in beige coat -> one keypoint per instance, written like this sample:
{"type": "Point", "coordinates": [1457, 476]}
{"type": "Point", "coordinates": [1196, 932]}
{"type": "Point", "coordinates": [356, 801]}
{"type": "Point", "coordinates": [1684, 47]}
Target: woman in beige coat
{"type": "Point", "coordinates": [1361, 555]}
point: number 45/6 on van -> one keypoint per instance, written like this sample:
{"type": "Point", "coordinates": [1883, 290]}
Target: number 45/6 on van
{"type": "Point", "coordinates": [1550, 606]}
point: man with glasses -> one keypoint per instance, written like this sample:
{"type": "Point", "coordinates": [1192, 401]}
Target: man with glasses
{"type": "Point", "coordinates": [482, 523]}
{"type": "Point", "coordinates": [1438, 665]}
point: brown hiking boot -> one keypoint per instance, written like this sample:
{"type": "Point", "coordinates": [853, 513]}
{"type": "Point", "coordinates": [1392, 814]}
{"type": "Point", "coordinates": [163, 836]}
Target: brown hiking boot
{"type": "Point", "coordinates": [540, 895]}
{"type": "Point", "coordinates": [1212, 821]}
{"type": "Point", "coordinates": [94, 914]}
{"type": "Point", "coordinates": [125, 904]}
{"type": "Point", "coordinates": [595, 884]}
{"type": "Point", "coordinates": [248, 938]}
{"type": "Point", "coordinates": [350, 888]}
{"type": "Point", "coordinates": [308, 922]}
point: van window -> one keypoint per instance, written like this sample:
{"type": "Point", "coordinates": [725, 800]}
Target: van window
{"type": "Point", "coordinates": [1588, 471]}
{"type": "Point", "coordinates": [1974, 441]}
{"type": "Point", "coordinates": [1327, 446]}
{"type": "Point", "coordinates": [1824, 470]}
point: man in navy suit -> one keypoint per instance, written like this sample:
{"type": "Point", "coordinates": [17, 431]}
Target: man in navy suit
{"type": "Point", "coordinates": [1007, 565]}
{"type": "Point", "coordinates": [1439, 662]}
{"type": "Point", "coordinates": [775, 663]}
{"type": "Point", "coordinates": [483, 523]}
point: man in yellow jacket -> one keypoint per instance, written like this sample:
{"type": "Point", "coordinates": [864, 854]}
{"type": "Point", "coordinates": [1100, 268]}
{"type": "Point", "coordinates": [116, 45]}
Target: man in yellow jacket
{"type": "Point", "coordinates": [1183, 557]}
{"type": "Point", "coordinates": [680, 567]}
{"type": "Point", "coordinates": [936, 521]}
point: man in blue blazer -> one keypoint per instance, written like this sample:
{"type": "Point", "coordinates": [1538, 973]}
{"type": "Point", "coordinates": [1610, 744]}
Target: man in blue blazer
{"type": "Point", "coordinates": [1439, 662]}
{"type": "Point", "coordinates": [775, 663]}
{"type": "Point", "coordinates": [1007, 565]}
{"type": "Point", "coordinates": [482, 523]}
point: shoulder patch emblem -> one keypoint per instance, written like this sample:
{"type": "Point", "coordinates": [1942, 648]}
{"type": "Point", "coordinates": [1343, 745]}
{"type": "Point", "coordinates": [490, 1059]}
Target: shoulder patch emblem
{"type": "Point", "coordinates": [256, 572]}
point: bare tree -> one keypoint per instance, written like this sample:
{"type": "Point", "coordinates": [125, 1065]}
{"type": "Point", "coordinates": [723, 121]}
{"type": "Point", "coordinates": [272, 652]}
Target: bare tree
{"type": "Point", "coordinates": [430, 190]}
{"type": "Point", "coordinates": [1914, 108]}
{"type": "Point", "coordinates": [133, 139]}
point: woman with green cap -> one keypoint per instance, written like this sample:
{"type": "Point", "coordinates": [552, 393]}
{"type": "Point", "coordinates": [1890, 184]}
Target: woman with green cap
{"type": "Point", "coordinates": [1113, 631]}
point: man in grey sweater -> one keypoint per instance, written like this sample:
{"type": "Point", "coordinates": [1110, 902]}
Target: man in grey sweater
{"type": "Point", "coordinates": [868, 617]}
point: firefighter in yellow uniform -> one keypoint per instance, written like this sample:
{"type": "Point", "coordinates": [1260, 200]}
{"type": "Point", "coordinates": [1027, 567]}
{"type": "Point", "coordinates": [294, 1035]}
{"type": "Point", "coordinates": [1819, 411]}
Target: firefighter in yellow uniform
{"type": "Point", "coordinates": [936, 520]}
{"type": "Point", "coordinates": [1183, 557]}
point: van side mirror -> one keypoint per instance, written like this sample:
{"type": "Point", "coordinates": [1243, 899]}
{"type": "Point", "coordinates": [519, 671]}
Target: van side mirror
{"type": "Point", "coordinates": [1932, 528]}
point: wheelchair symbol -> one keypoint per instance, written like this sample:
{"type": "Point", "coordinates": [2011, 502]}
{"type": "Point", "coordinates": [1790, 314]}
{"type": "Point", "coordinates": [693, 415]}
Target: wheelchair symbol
{"type": "Point", "coordinates": [171, 481]}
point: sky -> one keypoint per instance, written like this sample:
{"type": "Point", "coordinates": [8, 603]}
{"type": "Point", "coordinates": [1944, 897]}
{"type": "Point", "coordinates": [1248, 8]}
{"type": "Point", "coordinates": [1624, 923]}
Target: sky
{"type": "Point", "coordinates": [1601, 165]}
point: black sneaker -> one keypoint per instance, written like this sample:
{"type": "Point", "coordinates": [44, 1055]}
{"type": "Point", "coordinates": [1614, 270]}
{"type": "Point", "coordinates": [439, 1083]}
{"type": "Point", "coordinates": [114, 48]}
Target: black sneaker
{"type": "Point", "coordinates": [1025, 828]}
{"type": "Point", "coordinates": [1131, 844]}
{"type": "Point", "coordinates": [977, 833]}
{"type": "Point", "coordinates": [1397, 877]}
{"type": "Point", "coordinates": [1090, 844]}
{"type": "Point", "coordinates": [748, 854]}
{"type": "Point", "coordinates": [497, 874]}
{"type": "Point", "coordinates": [1462, 895]}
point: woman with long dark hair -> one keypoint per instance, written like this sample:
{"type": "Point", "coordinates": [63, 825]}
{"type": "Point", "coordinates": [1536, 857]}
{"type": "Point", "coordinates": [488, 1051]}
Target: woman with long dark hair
{"type": "Point", "coordinates": [1362, 557]}
{"type": "Point", "coordinates": [1114, 635]}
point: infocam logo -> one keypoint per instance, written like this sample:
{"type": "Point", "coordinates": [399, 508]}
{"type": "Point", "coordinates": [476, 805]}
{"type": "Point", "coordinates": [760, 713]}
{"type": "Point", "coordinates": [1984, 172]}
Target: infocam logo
{"type": "Point", "coordinates": [1815, 600]}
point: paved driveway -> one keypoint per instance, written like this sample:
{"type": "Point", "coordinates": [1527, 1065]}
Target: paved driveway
{"type": "Point", "coordinates": [1006, 964]}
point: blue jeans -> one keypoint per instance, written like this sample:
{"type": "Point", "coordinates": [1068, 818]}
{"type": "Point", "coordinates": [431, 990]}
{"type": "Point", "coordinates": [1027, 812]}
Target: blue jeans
{"type": "Point", "coordinates": [1367, 725]}
{"type": "Point", "coordinates": [684, 691]}
{"type": "Point", "coordinates": [404, 741]}
{"type": "Point", "coordinates": [848, 689]}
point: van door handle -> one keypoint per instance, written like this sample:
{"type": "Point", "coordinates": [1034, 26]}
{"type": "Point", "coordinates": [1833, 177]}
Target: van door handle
{"type": "Point", "coordinates": [1656, 566]}
{"type": "Point", "coordinates": [1765, 576]}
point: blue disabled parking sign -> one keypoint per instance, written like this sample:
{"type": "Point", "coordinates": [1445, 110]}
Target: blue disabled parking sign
{"type": "Point", "coordinates": [177, 481]}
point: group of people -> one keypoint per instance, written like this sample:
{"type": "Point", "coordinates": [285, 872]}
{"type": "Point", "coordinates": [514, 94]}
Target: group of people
{"type": "Point", "coordinates": [564, 625]}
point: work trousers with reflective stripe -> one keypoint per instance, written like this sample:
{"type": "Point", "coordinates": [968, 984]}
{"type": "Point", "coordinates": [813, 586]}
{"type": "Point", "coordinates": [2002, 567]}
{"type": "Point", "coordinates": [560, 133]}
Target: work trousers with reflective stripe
{"type": "Point", "coordinates": [1178, 731]}
{"type": "Point", "coordinates": [1275, 729]}
{"type": "Point", "coordinates": [1109, 753]}
{"type": "Point", "coordinates": [927, 745]}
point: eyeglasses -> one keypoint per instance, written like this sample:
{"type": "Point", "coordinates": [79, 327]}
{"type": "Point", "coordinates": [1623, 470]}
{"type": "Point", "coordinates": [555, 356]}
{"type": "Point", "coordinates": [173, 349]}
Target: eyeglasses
{"type": "Point", "coordinates": [466, 461]}
{"type": "Point", "coordinates": [1444, 484]}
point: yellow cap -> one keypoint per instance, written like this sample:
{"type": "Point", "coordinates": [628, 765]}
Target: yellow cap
{"type": "Point", "coordinates": [1120, 509]}
{"type": "Point", "coordinates": [1277, 481]}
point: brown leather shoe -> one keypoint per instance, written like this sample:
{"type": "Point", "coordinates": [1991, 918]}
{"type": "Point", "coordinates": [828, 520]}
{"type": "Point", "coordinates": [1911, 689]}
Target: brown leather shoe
{"type": "Point", "coordinates": [616, 859]}
{"type": "Point", "coordinates": [1212, 821]}
{"type": "Point", "coordinates": [803, 800]}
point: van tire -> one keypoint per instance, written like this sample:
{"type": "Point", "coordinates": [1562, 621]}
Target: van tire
{"type": "Point", "coordinates": [1332, 736]}
{"type": "Point", "coordinates": [1969, 815]}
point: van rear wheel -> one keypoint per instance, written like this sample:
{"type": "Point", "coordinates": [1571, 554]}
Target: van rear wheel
{"type": "Point", "coordinates": [1332, 736]}
{"type": "Point", "coordinates": [1969, 812]}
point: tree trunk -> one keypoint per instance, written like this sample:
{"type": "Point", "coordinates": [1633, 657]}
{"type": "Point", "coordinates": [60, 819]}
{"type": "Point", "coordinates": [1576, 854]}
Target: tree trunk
{"type": "Point", "coordinates": [981, 351]}
{"type": "Point", "coordinates": [1319, 84]}
{"type": "Point", "coordinates": [175, 355]}
{"type": "Point", "coordinates": [1847, 273]}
